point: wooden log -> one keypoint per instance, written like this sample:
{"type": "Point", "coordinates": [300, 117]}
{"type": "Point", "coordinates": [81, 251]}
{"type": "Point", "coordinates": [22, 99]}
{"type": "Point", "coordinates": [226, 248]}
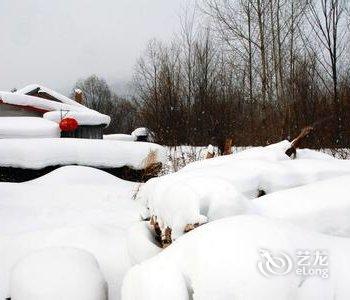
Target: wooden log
{"type": "Point", "coordinates": [292, 150]}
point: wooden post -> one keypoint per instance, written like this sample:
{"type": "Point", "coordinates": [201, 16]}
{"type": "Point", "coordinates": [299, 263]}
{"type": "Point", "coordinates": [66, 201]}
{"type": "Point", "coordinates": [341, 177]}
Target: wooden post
{"type": "Point", "coordinates": [210, 152]}
{"type": "Point", "coordinates": [228, 147]}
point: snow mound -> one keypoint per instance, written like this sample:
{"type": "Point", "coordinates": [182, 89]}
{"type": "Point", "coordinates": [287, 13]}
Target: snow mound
{"type": "Point", "coordinates": [141, 243]}
{"type": "Point", "coordinates": [323, 206]}
{"type": "Point", "coordinates": [73, 175]}
{"type": "Point", "coordinates": [73, 206]}
{"type": "Point", "coordinates": [58, 273]}
{"type": "Point", "coordinates": [179, 201]}
{"type": "Point", "coordinates": [41, 153]}
{"type": "Point", "coordinates": [204, 191]}
{"type": "Point", "coordinates": [141, 131]}
{"type": "Point", "coordinates": [220, 260]}
{"type": "Point", "coordinates": [28, 127]}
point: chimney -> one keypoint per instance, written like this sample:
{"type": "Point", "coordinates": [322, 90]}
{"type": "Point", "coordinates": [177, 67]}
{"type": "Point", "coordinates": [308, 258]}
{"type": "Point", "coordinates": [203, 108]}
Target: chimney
{"type": "Point", "coordinates": [78, 96]}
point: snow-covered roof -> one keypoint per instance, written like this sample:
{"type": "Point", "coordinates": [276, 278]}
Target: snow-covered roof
{"type": "Point", "coordinates": [65, 107]}
{"type": "Point", "coordinates": [42, 89]}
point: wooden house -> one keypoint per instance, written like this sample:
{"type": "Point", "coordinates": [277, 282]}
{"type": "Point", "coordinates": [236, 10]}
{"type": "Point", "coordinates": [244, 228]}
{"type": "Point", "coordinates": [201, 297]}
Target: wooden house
{"type": "Point", "coordinates": [38, 101]}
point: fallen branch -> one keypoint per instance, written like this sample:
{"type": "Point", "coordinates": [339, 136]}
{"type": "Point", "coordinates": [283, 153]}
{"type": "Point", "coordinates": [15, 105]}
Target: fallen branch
{"type": "Point", "coordinates": [292, 150]}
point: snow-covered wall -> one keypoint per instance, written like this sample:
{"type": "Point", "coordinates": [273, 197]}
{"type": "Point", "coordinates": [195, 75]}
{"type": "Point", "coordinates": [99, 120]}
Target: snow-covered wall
{"type": "Point", "coordinates": [28, 127]}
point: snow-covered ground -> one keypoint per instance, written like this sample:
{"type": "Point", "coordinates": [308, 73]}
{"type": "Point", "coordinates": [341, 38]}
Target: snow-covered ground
{"type": "Point", "coordinates": [182, 155]}
{"type": "Point", "coordinates": [220, 260]}
{"type": "Point", "coordinates": [78, 207]}
{"type": "Point", "coordinates": [323, 206]}
{"type": "Point", "coordinates": [91, 219]}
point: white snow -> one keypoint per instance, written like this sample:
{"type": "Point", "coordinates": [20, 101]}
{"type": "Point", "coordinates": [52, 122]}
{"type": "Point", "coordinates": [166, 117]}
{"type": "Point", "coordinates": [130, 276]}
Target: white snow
{"type": "Point", "coordinates": [141, 131]}
{"type": "Point", "coordinates": [56, 109]}
{"type": "Point", "coordinates": [31, 87]}
{"type": "Point", "coordinates": [40, 153]}
{"type": "Point", "coordinates": [120, 137]}
{"type": "Point", "coordinates": [141, 244]}
{"type": "Point", "coordinates": [215, 188]}
{"type": "Point", "coordinates": [178, 201]}
{"type": "Point", "coordinates": [73, 206]}
{"type": "Point", "coordinates": [96, 214]}
{"type": "Point", "coordinates": [28, 127]}
{"type": "Point", "coordinates": [82, 117]}
{"type": "Point", "coordinates": [322, 206]}
{"type": "Point", "coordinates": [37, 102]}
{"type": "Point", "coordinates": [58, 273]}
{"type": "Point", "coordinates": [219, 261]}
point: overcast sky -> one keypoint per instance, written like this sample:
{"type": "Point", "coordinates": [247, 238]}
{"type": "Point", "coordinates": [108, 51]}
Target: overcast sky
{"type": "Point", "coordinates": [55, 42]}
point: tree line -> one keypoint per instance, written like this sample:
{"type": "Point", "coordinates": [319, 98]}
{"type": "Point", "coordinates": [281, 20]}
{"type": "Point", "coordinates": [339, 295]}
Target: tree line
{"type": "Point", "coordinates": [256, 71]}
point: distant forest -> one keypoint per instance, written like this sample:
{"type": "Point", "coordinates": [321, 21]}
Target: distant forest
{"type": "Point", "coordinates": [256, 71]}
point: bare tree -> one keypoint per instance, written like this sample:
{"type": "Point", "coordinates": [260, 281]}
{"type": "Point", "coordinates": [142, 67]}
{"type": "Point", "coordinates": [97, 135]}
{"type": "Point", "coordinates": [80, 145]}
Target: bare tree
{"type": "Point", "coordinates": [325, 19]}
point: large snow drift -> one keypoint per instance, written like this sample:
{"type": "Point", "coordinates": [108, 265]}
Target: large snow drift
{"type": "Point", "coordinates": [322, 206]}
{"type": "Point", "coordinates": [73, 206]}
{"type": "Point", "coordinates": [28, 127]}
{"type": "Point", "coordinates": [216, 188]}
{"type": "Point", "coordinates": [220, 261]}
{"type": "Point", "coordinates": [41, 153]}
{"type": "Point", "coordinates": [58, 273]}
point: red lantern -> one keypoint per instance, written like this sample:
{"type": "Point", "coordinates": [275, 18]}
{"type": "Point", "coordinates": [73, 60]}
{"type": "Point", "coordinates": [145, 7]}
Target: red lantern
{"type": "Point", "coordinates": [68, 124]}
